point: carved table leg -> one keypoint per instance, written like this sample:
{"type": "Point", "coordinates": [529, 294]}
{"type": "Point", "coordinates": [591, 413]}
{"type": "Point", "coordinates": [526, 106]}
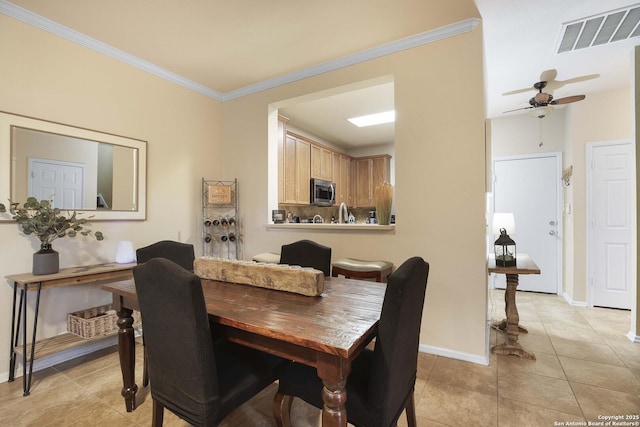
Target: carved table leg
{"type": "Point", "coordinates": [511, 346]}
{"type": "Point", "coordinates": [334, 371]}
{"type": "Point", "coordinates": [126, 350]}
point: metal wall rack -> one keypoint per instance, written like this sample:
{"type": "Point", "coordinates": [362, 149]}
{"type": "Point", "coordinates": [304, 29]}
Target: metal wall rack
{"type": "Point", "coordinates": [220, 223]}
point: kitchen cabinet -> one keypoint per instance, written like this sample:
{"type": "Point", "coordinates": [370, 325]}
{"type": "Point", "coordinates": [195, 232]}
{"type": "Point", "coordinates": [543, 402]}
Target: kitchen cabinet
{"type": "Point", "coordinates": [321, 162]}
{"type": "Point", "coordinates": [341, 176]}
{"type": "Point", "coordinates": [282, 134]}
{"type": "Point", "coordinates": [296, 171]}
{"type": "Point", "coordinates": [370, 172]}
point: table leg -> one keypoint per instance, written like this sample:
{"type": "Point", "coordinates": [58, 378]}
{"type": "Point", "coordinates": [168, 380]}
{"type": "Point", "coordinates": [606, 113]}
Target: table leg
{"type": "Point", "coordinates": [512, 346]}
{"type": "Point", "coordinates": [333, 371]}
{"type": "Point", "coordinates": [127, 353]}
{"type": "Point", "coordinates": [15, 331]}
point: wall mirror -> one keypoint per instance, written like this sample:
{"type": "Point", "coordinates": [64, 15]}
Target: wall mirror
{"type": "Point", "coordinates": [78, 169]}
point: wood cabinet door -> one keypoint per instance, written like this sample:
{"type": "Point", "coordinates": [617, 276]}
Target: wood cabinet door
{"type": "Point", "coordinates": [363, 182]}
{"type": "Point", "coordinates": [345, 173]}
{"type": "Point", "coordinates": [289, 178]}
{"type": "Point", "coordinates": [321, 160]}
{"type": "Point", "coordinates": [379, 172]}
{"type": "Point", "coordinates": [303, 171]}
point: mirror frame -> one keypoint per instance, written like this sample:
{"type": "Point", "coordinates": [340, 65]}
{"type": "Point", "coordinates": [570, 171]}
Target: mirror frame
{"type": "Point", "coordinates": [8, 120]}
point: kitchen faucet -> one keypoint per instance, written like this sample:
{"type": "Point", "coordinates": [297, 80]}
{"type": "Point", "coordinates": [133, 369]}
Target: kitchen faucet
{"type": "Point", "coordinates": [318, 217]}
{"type": "Point", "coordinates": [342, 213]}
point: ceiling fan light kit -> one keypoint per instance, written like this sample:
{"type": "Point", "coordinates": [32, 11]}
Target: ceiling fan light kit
{"type": "Point", "coordinates": [541, 112]}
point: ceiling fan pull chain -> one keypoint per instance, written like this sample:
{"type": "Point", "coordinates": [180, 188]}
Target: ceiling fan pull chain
{"type": "Point", "coordinates": [540, 133]}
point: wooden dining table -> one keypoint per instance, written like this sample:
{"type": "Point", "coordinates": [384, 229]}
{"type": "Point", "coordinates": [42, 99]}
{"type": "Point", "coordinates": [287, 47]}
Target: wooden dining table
{"type": "Point", "coordinates": [326, 332]}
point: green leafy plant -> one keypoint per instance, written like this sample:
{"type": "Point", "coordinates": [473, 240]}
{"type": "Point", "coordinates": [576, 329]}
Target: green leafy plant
{"type": "Point", "coordinates": [47, 223]}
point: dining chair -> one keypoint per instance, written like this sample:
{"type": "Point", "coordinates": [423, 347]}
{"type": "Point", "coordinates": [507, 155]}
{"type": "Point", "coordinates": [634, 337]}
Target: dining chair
{"type": "Point", "coordinates": [199, 379]}
{"type": "Point", "coordinates": [182, 254]}
{"type": "Point", "coordinates": [381, 383]}
{"type": "Point", "coordinates": [307, 253]}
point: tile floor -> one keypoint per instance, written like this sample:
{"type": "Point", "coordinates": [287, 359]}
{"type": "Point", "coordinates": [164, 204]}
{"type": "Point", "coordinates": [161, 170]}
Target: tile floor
{"type": "Point", "coordinates": [585, 368]}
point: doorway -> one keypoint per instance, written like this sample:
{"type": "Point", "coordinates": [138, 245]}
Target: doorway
{"type": "Point", "coordinates": [529, 186]}
{"type": "Point", "coordinates": [609, 216]}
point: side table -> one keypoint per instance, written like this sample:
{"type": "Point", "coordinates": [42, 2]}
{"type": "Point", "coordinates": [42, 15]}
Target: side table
{"type": "Point", "coordinates": [70, 276]}
{"type": "Point", "coordinates": [524, 265]}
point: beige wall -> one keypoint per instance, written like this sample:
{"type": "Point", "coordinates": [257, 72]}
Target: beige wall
{"type": "Point", "coordinates": [46, 77]}
{"type": "Point", "coordinates": [439, 192]}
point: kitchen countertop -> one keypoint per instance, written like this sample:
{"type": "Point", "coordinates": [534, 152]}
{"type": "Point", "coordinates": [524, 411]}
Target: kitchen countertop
{"type": "Point", "coordinates": [329, 226]}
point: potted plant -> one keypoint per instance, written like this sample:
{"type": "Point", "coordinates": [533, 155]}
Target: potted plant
{"type": "Point", "coordinates": [41, 219]}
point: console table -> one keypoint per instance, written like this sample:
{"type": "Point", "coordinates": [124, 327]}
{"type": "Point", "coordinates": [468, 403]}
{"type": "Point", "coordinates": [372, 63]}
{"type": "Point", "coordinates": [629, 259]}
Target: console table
{"type": "Point", "coordinates": [524, 265]}
{"type": "Point", "coordinates": [71, 276]}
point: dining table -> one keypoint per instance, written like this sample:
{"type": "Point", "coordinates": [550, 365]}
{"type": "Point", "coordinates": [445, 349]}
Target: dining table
{"type": "Point", "coordinates": [326, 332]}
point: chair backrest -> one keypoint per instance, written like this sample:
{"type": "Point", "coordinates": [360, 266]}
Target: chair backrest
{"type": "Point", "coordinates": [395, 358]}
{"type": "Point", "coordinates": [178, 340]}
{"type": "Point", "coordinates": [180, 253]}
{"type": "Point", "coordinates": [307, 253]}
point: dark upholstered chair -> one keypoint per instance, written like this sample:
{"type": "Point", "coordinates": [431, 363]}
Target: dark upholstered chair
{"type": "Point", "coordinates": [180, 253]}
{"type": "Point", "coordinates": [307, 253]}
{"type": "Point", "coordinates": [382, 380]}
{"type": "Point", "coordinates": [199, 380]}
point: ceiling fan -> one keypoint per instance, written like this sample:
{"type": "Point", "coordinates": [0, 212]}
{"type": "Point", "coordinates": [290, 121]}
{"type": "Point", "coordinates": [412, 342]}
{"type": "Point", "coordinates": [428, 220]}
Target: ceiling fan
{"type": "Point", "coordinates": [541, 105]}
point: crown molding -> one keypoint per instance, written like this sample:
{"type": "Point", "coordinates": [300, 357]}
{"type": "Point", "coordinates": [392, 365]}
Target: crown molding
{"type": "Point", "coordinates": [74, 36]}
{"type": "Point", "coordinates": [366, 55]}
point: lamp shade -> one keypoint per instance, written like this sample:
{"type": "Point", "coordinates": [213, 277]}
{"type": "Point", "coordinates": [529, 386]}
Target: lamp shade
{"type": "Point", "coordinates": [125, 253]}
{"type": "Point", "coordinates": [503, 220]}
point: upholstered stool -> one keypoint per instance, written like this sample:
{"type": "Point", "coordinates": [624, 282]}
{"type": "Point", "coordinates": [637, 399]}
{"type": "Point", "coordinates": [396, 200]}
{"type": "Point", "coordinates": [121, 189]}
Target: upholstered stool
{"type": "Point", "coordinates": [359, 269]}
{"type": "Point", "coordinates": [268, 257]}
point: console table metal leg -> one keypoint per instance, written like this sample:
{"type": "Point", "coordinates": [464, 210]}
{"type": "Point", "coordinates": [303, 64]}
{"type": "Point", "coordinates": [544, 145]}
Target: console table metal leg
{"type": "Point", "coordinates": [15, 328]}
{"type": "Point", "coordinates": [24, 343]}
{"type": "Point", "coordinates": [33, 340]}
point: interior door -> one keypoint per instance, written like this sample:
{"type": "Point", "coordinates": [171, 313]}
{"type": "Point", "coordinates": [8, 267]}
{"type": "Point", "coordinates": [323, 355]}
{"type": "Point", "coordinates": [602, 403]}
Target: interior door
{"type": "Point", "coordinates": [530, 188]}
{"type": "Point", "coordinates": [63, 182]}
{"type": "Point", "coordinates": [609, 224]}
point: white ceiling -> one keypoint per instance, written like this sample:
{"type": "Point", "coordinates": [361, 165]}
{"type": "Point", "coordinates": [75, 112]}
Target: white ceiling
{"type": "Point", "coordinates": [225, 48]}
{"type": "Point", "coordinates": [521, 38]}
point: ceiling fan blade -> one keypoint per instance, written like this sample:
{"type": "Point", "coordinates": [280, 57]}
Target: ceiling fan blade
{"type": "Point", "coordinates": [557, 84]}
{"type": "Point", "coordinates": [568, 99]}
{"type": "Point", "coordinates": [517, 91]}
{"type": "Point", "coordinates": [548, 75]}
{"type": "Point", "coordinates": [517, 109]}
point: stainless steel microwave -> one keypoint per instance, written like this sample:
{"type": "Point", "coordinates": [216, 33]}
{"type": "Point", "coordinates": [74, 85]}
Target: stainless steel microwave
{"type": "Point", "coordinates": [323, 193]}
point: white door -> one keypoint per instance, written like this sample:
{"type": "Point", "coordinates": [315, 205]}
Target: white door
{"type": "Point", "coordinates": [609, 175]}
{"type": "Point", "coordinates": [61, 181]}
{"type": "Point", "coordinates": [530, 188]}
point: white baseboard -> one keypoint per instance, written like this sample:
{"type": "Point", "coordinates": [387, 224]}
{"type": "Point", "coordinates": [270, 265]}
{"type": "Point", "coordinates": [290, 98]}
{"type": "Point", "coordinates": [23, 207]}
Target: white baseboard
{"type": "Point", "coordinates": [473, 358]}
{"type": "Point", "coordinates": [572, 302]}
{"type": "Point", "coordinates": [633, 338]}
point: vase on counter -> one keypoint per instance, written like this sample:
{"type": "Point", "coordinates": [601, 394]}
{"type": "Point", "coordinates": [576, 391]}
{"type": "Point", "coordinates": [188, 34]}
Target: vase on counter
{"type": "Point", "coordinates": [383, 196]}
{"type": "Point", "coordinates": [46, 260]}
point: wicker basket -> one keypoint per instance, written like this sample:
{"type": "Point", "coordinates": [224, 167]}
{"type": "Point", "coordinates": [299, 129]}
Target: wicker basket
{"type": "Point", "coordinates": [96, 321]}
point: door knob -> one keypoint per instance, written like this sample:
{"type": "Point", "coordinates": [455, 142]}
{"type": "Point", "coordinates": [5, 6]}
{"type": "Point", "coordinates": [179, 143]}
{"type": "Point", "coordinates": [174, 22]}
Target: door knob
{"type": "Point", "coordinates": [552, 233]}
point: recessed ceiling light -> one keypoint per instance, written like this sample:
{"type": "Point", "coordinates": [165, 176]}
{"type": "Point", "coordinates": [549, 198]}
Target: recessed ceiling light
{"type": "Point", "coordinates": [374, 119]}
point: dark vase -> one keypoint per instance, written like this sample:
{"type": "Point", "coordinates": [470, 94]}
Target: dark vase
{"type": "Point", "coordinates": [46, 260]}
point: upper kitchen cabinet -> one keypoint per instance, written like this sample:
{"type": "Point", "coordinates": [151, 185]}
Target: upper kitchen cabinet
{"type": "Point", "coordinates": [321, 162]}
{"type": "Point", "coordinates": [370, 172]}
{"type": "Point", "coordinates": [296, 172]}
{"type": "Point", "coordinates": [341, 176]}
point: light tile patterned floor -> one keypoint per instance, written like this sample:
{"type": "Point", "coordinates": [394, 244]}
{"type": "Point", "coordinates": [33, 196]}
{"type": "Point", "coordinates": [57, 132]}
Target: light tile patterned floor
{"type": "Point", "coordinates": [585, 368]}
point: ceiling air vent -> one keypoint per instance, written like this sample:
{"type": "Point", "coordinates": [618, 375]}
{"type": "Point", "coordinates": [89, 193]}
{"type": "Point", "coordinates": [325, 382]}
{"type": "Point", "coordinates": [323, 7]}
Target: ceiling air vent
{"type": "Point", "coordinates": [609, 27]}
